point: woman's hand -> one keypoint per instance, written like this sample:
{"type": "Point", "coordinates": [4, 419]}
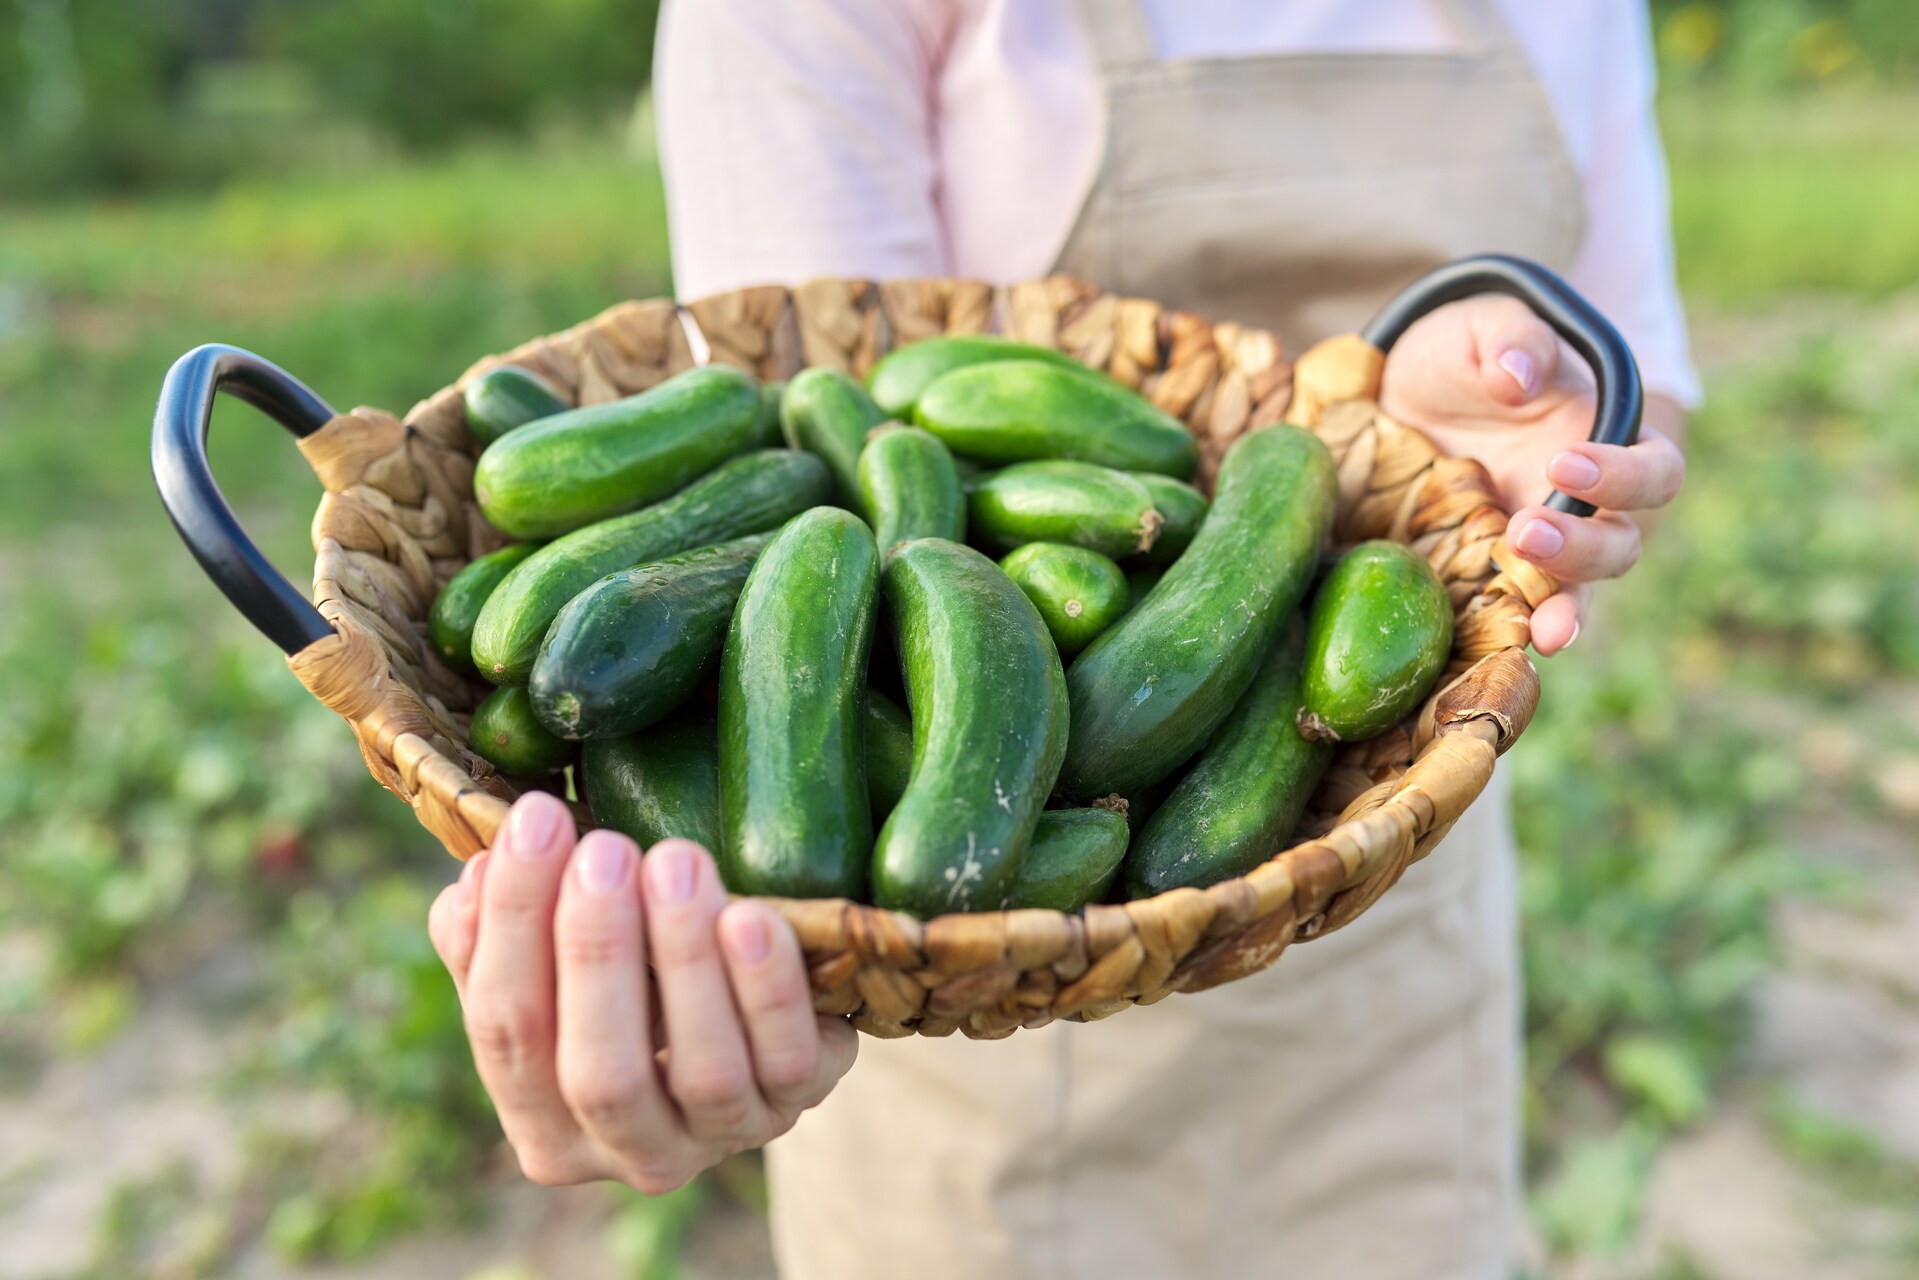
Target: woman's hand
{"type": "Point", "coordinates": [598, 1069]}
{"type": "Point", "coordinates": [1488, 379]}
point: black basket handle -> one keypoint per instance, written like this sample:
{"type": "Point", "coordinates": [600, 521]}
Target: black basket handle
{"type": "Point", "coordinates": [1620, 399]}
{"type": "Point", "coordinates": [200, 512]}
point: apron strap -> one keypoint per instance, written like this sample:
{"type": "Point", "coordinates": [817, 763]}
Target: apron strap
{"type": "Point", "coordinates": [1117, 34]}
{"type": "Point", "coordinates": [1480, 27]}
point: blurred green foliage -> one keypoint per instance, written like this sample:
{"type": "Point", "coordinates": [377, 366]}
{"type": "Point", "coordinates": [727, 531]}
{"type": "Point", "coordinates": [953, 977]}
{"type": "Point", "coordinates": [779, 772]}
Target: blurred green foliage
{"type": "Point", "coordinates": [1773, 44]}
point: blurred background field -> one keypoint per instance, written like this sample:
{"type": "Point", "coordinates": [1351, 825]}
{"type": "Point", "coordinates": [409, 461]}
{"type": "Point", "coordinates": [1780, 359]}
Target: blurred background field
{"type": "Point", "coordinates": [225, 1047]}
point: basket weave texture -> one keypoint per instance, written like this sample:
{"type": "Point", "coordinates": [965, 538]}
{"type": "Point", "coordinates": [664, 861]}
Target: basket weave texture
{"type": "Point", "coordinates": [399, 518]}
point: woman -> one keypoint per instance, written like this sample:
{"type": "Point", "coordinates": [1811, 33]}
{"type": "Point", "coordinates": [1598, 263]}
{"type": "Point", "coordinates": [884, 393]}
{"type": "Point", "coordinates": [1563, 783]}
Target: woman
{"type": "Point", "coordinates": [1352, 1113]}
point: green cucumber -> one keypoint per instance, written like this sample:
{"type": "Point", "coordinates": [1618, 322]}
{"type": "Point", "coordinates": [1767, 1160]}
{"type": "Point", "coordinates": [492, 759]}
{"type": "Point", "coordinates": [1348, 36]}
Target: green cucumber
{"type": "Point", "coordinates": [555, 475]}
{"type": "Point", "coordinates": [1018, 410]}
{"type": "Point", "coordinates": [1074, 857]}
{"type": "Point", "coordinates": [457, 607]}
{"type": "Point", "coordinates": [1381, 630]}
{"type": "Point", "coordinates": [1077, 503]}
{"type": "Point", "coordinates": [507, 397]}
{"type": "Point", "coordinates": [1238, 804]}
{"type": "Point", "coordinates": [1150, 691]}
{"type": "Point", "coordinates": [989, 710]}
{"type": "Point", "coordinates": [1181, 508]}
{"type": "Point", "coordinates": [506, 732]}
{"type": "Point", "coordinates": [1079, 593]}
{"type": "Point", "coordinates": [636, 644]}
{"type": "Point", "coordinates": [909, 488]}
{"type": "Point", "coordinates": [795, 817]}
{"type": "Point", "coordinates": [827, 412]}
{"type": "Point", "coordinates": [660, 783]}
{"type": "Point", "coordinates": [889, 752]}
{"type": "Point", "coordinates": [899, 377]}
{"type": "Point", "coordinates": [766, 429]}
{"type": "Point", "coordinates": [750, 494]}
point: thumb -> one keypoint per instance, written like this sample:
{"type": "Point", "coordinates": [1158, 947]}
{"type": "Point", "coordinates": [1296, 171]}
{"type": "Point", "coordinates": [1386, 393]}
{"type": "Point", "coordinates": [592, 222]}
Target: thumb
{"type": "Point", "coordinates": [1518, 353]}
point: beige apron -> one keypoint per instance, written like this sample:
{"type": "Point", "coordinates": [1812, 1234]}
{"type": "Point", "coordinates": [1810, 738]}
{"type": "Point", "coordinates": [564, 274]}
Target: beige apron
{"type": "Point", "coordinates": [1352, 1113]}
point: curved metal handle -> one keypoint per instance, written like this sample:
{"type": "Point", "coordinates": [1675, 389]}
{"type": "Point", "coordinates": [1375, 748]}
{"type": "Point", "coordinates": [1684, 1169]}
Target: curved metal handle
{"type": "Point", "coordinates": [1621, 400]}
{"type": "Point", "coordinates": [199, 510]}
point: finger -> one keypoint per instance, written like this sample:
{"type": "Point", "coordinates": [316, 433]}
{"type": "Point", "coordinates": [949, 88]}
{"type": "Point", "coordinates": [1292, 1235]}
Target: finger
{"type": "Point", "coordinates": [1575, 548]}
{"type": "Point", "coordinates": [1517, 352]}
{"type": "Point", "coordinates": [453, 922]}
{"type": "Point", "coordinates": [509, 1006]}
{"type": "Point", "coordinates": [839, 1047]}
{"type": "Point", "coordinates": [1556, 621]}
{"type": "Point", "coordinates": [707, 1071]}
{"type": "Point", "coordinates": [1635, 477]}
{"type": "Point", "coordinates": [768, 974]}
{"type": "Point", "coordinates": [605, 1052]}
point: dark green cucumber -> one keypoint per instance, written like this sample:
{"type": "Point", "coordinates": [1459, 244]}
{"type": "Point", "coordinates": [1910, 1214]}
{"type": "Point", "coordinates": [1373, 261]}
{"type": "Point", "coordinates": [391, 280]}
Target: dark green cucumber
{"type": "Point", "coordinates": [1077, 503]}
{"type": "Point", "coordinates": [659, 783]}
{"type": "Point", "coordinates": [1181, 508]}
{"type": "Point", "coordinates": [989, 728]}
{"type": "Point", "coordinates": [795, 817]}
{"type": "Point", "coordinates": [750, 494]}
{"type": "Point", "coordinates": [827, 411]}
{"type": "Point", "coordinates": [1018, 410]}
{"type": "Point", "coordinates": [1238, 804]}
{"type": "Point", "coordinates": [1074, 856]}
{"type": "Point", "coordinates": [555, 475]}
{"type": "Point", "coordinates": [507, 397]}
{"type": "Point", "coordinates": [1151, 690]}
{"type": "Point", "coordinates": [506, 732]}
{"type": "Point", "coordinates": [637, 643]}
{"type": "Point", "coordinates": [889, 752]}
{"type": "Point", "coordinates": [457, 607]}
{"type": "Point", "coordinates": [1079, 593]}
{"type": "Point", "coordinates": [909, 488]}
{"type": "Point", "coordinates": [899, 377]}
{"type": "Point", "coordinates": [1381, 630]}
{"type": "Point", "coordinates": [766, 430]}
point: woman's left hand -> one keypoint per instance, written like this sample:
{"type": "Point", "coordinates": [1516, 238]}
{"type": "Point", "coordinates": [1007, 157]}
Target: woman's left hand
{"type": "Point", "coordinates": [1486, 378]}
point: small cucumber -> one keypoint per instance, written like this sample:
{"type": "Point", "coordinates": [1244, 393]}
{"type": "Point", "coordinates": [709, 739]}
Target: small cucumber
{"type": "Point", "coordinates": [1381, 629]}
{"type": "Point", "coordinates": [899, 377]}
{"type": "Point", "coordinates": [1077, 503]}
{"type": "Point", "coordinates": [1074, 856]}
{"type": "Point", "coordinates": [1243, 796]}
{"type": "Point", "coordinates": [1150, 691]}
{"type": "Point", "coordinates": [1079, 593]}
{"type": "Point", "coordinates": [795, 817]}
{"type": "Point", "coordinates": [1181, 508]}
{"type": "Point", "coordinates": [574, 468]}
{"type": "Point", "coordinates": [989, 728]}
{"type": "Point", "coordinates": [1017, 410]}
{"type": "Point", "coordinates": [662, 782]}
{"type": "Point", "coordinates": [505, 732]}
{"type": "Point", "coordinates": [750, 494]}
{"type": "Point", "coordinates": [766, 429]}
{"type": "Point", "coordinates": [827, 412]}
{"type": "Point", "coordinates": [889, 752]}
{"type": "Point", "coordinates": [909, 488]}
{"type": "Point", "coordinates": [637, 643]}
{"type": "Point", "coordinates": [507, 397]}
{"type": "Point", "coordinates": [457, 607]}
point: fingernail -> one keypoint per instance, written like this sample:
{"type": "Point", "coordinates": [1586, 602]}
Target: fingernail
{"type": "Point", "coordinates": [1569, 639]}
{"type": "Point", "coordinates": [1571, 470]}
{"type": "Point", "coordinates": [747, 936]}
{"type": "Point", "coordinates": [1539, 540]}
{"type": "Point", "coordinates": [535, 826]}
{"type": "Point", "coordinates": [670, 873]}
{"type": "Point", "coordinates": [1521, 367]}
{"type": "Point", "coordinates": [602, 863]}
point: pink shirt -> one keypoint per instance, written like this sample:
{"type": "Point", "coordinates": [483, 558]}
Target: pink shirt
{"type": "Point", "coordinates": [880, 138]}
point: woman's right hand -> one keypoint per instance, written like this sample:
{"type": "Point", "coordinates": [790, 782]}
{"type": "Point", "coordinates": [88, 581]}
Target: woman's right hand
{"type": "Point", "coordinates": [600, 1070]}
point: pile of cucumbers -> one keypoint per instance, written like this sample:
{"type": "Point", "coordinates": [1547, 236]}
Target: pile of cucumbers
{"type": "Point", "coordinates": [961, 637]}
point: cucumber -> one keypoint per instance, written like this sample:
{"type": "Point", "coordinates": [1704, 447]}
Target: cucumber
{"type": "Point", "coordinates": [989, 710]}
{"type": "Point", "coordinates": [637, 643]}
{"type": "Point", "coordinates": [1381, 629]}
{"type": "Point", "coordinates": [574, 468]}
{"type": "Point", "coordinates": [1151, 690]}
{"type": "Point", "coordinates": [899, 377]}
{"type": "Point", "coordinates": [505, 732]}
{"type": "Point", "coordinates": [1078, 593]}
{"type": "Point", "coordinates": [1017, 410]}
{"type": "Point", "coordinates": [750, 494]}
{"type": "Point", "coordinates": [1077, 503]}
{"type": "Point", "coordinates": [889, 752]}
{"type": "Point", "coordinates": [766, 428]}
{"type": "Point", "coordinates": [1181, 508]}
{"type": "Point", "coordinates": [507, 397]}
{"type": "Point", "coordinates": [1238, 804]}
{"type": "Point", "coordinates": [1074, 856]}
{"type": "Point", "coordinates": [660, 783]}
{"type": "Point", "coordinates": [457, 607]}
{"type": "Point", "coordinates": [827, 412]}
{"type": "Point", "coordinates": [909, 488]}
{"type": "Point", "coordinates": [795, 817]}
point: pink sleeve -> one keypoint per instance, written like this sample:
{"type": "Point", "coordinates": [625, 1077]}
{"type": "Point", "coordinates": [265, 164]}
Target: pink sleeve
{"type": "Point", "coordinates": [797, 140]}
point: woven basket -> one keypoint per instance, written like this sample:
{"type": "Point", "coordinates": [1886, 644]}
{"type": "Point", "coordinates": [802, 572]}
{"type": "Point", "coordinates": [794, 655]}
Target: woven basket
{"type": "Point", "coordinates": [399, 518]}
